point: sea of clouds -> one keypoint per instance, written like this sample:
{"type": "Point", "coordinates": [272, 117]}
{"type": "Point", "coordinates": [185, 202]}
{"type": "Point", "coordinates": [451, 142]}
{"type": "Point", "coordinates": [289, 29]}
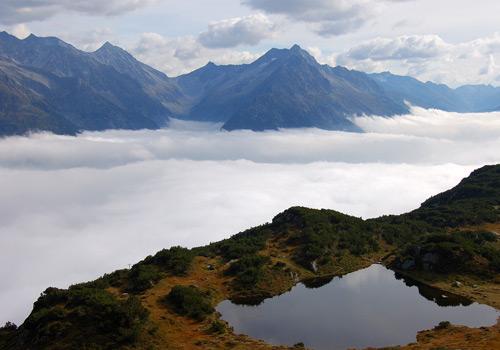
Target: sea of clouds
{"type": "Point", "coordinates": [73, 208]}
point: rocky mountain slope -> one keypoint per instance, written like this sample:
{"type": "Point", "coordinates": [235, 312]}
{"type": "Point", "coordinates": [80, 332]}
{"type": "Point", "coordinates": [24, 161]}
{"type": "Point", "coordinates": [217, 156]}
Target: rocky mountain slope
{"type": "Point", "coordinates": [80, 92]}
{"type": "Point", "coordinates": [283, 89]}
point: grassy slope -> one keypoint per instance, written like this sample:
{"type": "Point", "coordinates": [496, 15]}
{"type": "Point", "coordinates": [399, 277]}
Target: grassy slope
{"type": "Point", "coordinates": [299, 244]}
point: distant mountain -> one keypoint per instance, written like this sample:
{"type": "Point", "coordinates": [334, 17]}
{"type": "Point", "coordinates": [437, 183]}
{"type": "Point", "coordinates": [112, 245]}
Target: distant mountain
{"type": "Point", "coordinates": [24, 105]}
{"type": "Point", "coordinates": [465, 99]}
{"type": "Point", "coordinates": [480, 98]}
{"type": "Point", "coordinates": [155, 83]}
{"type": "Point", "coordinates": [283, 89]}
{"type": "Point", "coordinates": [80, 92]}
{"type": "Point", "coordinates": [47, 84]}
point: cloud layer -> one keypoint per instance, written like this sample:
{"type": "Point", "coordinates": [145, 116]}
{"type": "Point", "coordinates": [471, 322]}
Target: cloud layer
{"type": "Point", "coordinates": [73, 208]}
{"type": "Point", "coordinates": [21, 11]}
{"type": "Point", "coordinates": [423, 137]}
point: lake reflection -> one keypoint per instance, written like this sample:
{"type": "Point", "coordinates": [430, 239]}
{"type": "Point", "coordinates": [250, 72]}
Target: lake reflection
{"type": "Point", "coordinates": [370, 307]}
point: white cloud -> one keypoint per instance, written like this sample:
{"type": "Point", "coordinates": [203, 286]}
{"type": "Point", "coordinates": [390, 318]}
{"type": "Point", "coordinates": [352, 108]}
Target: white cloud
{"type": "Point", "coordinates": [249, 30]}
{"type": "Point", "coordinates": [20, 11]}
{"type": "Point", "coordinates": [331, 17]}
{"type": "Point", "coordinates": [20, 30]}
{"type": "Point", "coordinates": [181, 55]}
{"type": "Point", "coordinates": [411, 47]}
{"type": "Point", "coordinates": [73, 208]}
{"type": "Point", "coordinates": [90, 40]}
{"type": "Point", "coordinates": [427, 57]}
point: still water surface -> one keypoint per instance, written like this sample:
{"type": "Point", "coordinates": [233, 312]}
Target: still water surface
{"type": "Point", "coordinates": [370, 307]}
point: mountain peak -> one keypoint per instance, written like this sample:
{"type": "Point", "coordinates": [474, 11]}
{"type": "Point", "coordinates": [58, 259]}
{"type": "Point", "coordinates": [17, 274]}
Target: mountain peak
{"type": "Point", "coordinates": [5, 34]}
{"type": "Point", "coordinates": [108, 47]}
{"type": "Point", "coordinates": [109, 52]}
{"type": "Point", "coordinates": [48, 41]}
{"type": "Point", "coordinates": [7, 37]}
{"type": "Point", "coordinates": [285, 54]}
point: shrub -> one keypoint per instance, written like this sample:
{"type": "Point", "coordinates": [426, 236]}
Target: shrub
{"type": "Point", "coordinates": [217, 327]}
{"type": "Point", "coordinates": [143, 277]}
{"type": "Point", "coordinates": [454, 251]}
{"type": "Point", "coordinates": [9, 327]}
{"type": "Point", "coordinates": [248, 270]}
{"type": "Point", "coordinates": [443, 325]}
{"type": "Point", "coordinates": [322, 233]}
{"type": "Point", "coordinates": [176, 260]}
{"type": "Point", "coordinates": [84, 317]}
{"type": "Point", "coordinates": [245, 243]}
{"type": "Point", "coordinates": [8, 335]}
{"type": "Point", "coordinates": [189, 301]}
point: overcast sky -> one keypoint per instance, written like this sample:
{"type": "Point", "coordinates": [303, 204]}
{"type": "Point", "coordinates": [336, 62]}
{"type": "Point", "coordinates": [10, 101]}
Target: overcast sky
{"type": "Point", "coordinates": [451, 41]}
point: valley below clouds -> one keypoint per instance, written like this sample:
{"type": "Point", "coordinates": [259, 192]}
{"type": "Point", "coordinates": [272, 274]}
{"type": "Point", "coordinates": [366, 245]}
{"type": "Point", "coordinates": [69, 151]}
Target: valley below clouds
{"type": "Point", "coordinates": [73, 208]}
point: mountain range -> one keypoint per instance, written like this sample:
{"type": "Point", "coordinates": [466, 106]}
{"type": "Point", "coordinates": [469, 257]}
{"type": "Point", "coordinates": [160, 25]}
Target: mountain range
{"type": "Point", "coordinates": [47, 84]}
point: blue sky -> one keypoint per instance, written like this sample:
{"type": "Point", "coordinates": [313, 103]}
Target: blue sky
{"type": "Point", "coordinates": [450, 41]}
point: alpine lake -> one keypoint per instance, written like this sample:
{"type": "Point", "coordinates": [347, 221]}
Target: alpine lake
{"type": "Point", "coordinates": [373, 307]}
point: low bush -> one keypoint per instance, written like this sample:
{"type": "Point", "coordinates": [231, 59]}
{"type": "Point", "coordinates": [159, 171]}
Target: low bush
{"type": "Point", "coordinates": [189, 301]}
{"type": "Point", "coordinates": [443, 325]}
{"type": "Point", "coordinates": [143, 277]}
{"type": "Point", "coordinates": [249, 242]}
{"type": "Point", "coordinates": [217, 327]}
{"type": "Point", "coordinates": [84, 317]}
{"type": "Point", "coordinates": [176, 260]}
{"type": "Point", "coordinates": [453, 251]}
{"type": "Point", "coordinates": [248, 270]}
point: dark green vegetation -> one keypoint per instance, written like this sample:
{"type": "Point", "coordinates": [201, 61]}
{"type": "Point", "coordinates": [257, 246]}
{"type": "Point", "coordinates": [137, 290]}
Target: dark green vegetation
{"type": "Point", "coordinates": [217, 327]}
{"type": "Point", "coordinates": [82, 317]}
{"type": "Point", "coordinates": [445, 235]}
{"type": "Point", "coordinates": [189, 301]}
{"type": "Point", "coordinates": [321, 234]}
{"type": "Point", "coordinates": [175, 260]}
{"type": "Point", "coordinates": [443, 325]}
{"type": "Point", "coordinates": [143, 275]}
{"type": "Point", "coordinates": [247, 270]}
{"type": "Point", "coordinates": [47, 84]}
{"type": "Point", "coordinates": [248, 242]}
{"type": "Point", "coordinates": [464, 251]}
{"type": "Point", "coordinates": [108, 322]}
{"type": "Point", "coordinates": [474, 201]}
